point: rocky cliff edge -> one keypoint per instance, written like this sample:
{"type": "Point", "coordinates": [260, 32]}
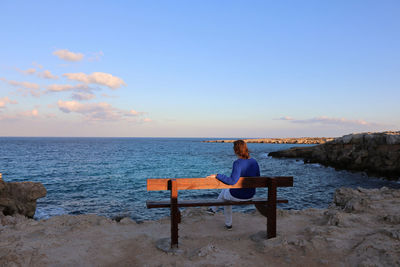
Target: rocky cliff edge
{"type": "Point", "coordinates": [374, 153]}
{"type": "Point", "coordinates": [20, 197]}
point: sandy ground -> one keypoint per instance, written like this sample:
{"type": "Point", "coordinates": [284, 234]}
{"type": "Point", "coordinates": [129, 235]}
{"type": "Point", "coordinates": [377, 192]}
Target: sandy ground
{"type": "Point", "coordinates": [361, 228]}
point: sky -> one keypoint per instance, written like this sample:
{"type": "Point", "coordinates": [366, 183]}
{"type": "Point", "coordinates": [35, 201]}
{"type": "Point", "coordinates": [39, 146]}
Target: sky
{"type": "Point", "coordinates": [199, 68]}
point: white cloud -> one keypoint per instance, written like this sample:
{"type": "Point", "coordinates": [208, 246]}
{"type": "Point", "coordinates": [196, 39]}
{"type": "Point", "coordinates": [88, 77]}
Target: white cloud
{"type": "Point", "coordinates": [60, 87]}
{"type": "Point", "coordinates": [285, 118]}
{"type": "Point", "coordinates": [25, 87]}
{"type": "Point", "coordinates": [34, 113]}
{"type": "Point", "coordinates": [30, 113]}
{"type": "Point", "coordinates": [68, 55]}
{"type": "Point", "coordinates": [67, 87]}
{"type": "Point", "coordinates": [47, 75]}
{"type": "Point", "coordinates": [99, 78]}
{"type": "Point", "coordinates": [95, 111]}
{"type": "Point", "coordinates": [327, 120]}
{"type": "Point", "coordinates": [37, 65]}
{"type": "Point", "coordinates": [92, 111]}
{"type": "Point", "coordinates": [96, 56]}
{"type": "Point", "coordinates": [6, 100]}
{"type": "Point", "coordinates": [133, 112]}
{"type": "Point", "coordinates": [330, 121]}
{"type": "Point", "coordinates": [28, 71]}
{"type": "Point", "coordinates": [69, 106]}
{"type": "Point", "coordinates": [109, 96]}
{"type": "Point", "coordinates": [80, 96]}
{"type": "Point", "coordinates": [147, 120]}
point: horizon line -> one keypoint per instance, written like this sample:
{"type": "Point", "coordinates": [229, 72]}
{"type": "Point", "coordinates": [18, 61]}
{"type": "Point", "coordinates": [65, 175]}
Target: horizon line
{"type": "Point", "coordinates": [217, 138]}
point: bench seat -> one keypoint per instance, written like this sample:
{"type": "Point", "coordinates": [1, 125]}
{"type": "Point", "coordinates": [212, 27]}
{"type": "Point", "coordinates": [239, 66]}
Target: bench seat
{"type": "Point", "coordinates": [208, 202]}
{"type": "Point", "coordinates": [266, 206]}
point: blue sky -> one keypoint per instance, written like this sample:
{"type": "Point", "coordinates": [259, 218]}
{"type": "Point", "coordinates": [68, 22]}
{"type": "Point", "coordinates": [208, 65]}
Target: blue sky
{"type": "Point", "coordinates": [199, 68]}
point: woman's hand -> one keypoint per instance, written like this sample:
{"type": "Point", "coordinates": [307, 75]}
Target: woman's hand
{"type": "Point", "coordinates": [212, 176]}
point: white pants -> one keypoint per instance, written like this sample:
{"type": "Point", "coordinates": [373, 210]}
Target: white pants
{"type": "Point", "coordinates": [226, 195]}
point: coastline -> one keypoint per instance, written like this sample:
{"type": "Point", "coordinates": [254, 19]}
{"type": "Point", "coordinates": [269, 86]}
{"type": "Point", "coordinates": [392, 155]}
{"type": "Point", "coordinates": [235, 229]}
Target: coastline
{"type": "Point", "coordinates": [376, 153]}
{"type": "Point", "coordinates": [301, 140]}
{"type": "Point", "coordinates": [361, 227]}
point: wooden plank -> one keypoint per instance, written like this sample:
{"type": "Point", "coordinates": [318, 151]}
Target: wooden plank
{"type": "Point", "coordinates": [209, 202]}
{"type": "Point", "coordinates": [157, 184]}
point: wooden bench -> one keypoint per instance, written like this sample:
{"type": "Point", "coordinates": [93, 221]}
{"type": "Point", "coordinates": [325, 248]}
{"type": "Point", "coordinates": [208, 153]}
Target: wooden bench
{"type": "Point", "coordinates": [266, 206]}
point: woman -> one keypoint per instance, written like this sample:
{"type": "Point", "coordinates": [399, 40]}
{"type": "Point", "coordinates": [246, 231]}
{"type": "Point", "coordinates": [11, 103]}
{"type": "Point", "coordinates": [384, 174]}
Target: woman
{"type": "Point", "coordinates": [244, 166]}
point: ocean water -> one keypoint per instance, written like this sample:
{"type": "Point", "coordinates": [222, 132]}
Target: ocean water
{"type": "Point", "coordinates": [107, 176]}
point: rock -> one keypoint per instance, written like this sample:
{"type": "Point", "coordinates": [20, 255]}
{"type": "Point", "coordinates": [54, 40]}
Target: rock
{"type": "Point", "coordinates": [368, 236]}
{"type": "Point", "coordinates": [20, 197]}
{"type": "Point", "coordinates": [301, 140]}
{"type": "Point", "coordinates": [12, 220]}
{"type": "Point", "coordinates": [164, 244]}
{"type": "Point", "coordinates": [375, 153]}
{"type": "Point", "coordinates": [127, 221]}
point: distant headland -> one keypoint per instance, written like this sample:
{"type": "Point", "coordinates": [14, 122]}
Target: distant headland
{"type": "Point", "coordinates": [377, 153]}
{"type": "Point", "coordinates": [300, 140]}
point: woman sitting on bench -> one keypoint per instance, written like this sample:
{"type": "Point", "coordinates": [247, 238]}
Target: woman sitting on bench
{"type": "Point", "coordinates": [244, 166]}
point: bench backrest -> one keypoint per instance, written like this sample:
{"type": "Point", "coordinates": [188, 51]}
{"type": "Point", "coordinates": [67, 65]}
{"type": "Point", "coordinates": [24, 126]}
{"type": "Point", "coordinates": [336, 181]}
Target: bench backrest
{"type": "Point", "coordinates": [157, 184]}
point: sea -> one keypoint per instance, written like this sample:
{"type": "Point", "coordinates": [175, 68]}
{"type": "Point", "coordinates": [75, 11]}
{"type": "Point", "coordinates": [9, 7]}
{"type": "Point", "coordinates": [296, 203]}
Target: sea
{"type": "Point", "coordinates": [107, 176]}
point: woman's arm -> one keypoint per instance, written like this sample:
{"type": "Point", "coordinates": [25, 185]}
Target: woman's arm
{"type": "Point", "coordinates": [234, 176]}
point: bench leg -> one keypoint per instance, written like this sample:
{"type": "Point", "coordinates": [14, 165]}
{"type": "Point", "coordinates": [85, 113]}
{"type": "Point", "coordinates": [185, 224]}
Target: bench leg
{"type": "Point", "coordinates": [271, 210]}
{"type": "Point", "coordinates": [179, 216]}
{"type": "Point", "coordinates": [175, 214]}
{"type": "Point", "coordinates": [262, 209]}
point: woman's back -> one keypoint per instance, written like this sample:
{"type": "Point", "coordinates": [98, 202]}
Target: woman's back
{"type": "Point", "coordinates": [241, 168]}
{"type": "Point", "coordinates": [248, 167]}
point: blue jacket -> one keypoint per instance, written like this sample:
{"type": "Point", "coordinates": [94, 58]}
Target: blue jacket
{"type": "Point", "coordinates": [241, 168]}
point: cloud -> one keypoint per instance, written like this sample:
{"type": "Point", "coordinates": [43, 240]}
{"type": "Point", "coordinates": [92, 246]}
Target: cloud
{"type": "Point", "coordinates": [28, 71]}
{"type": "Point", "coordinates": [6, 100]}
{"type": "Point", "coordinates": [96, 56]}
{"type": "Point", "coordinates": [80, 96]}
{"type": "Point", "coordinates": [99, 78]}
{"type": "Point", "coordinates": [67, 87]}
{"type": "Point", "coordinates": [133, 112]}
{"type": "Point", "coordinates": [330, 121]}
{"type": "Point", "coordinates": [68, 55]}
{"type": "Point", "coordinates": [285, 118]}
{"type": "Point", "coordinates": [95, 111]}
{"type": "Point", "coordinates": [25, 87]}
{"type": "Point", "coordinates": [47, 75]}
{"type": "Point", "coordinates": [108, 96]}
{"type": "Point", "coordinates": [30, 113]}
{"type": "Point", "coordinates": [60, 87]}
{"type": "Point", "coordinates": [34, 113]}
{"type": "Point", "coordinates": [37, 65]}
{"type": "Point", "coordinates": [147, 120]}
{"type": "Point", "coordinates": [92, 111]}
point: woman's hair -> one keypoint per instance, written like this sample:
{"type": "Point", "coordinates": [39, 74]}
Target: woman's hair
{"type": "Point", "coordinates": [241, 149]}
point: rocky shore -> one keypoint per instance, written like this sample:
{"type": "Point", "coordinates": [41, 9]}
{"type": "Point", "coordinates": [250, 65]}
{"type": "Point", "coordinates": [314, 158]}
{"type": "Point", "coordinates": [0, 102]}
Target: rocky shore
{"type": "Point", "coordinates": [20, 197]}
{"type": "Point", "coordinates": [360, 228]}
{"type": "Point", "coordinates": [375, 153]}
{"type": "Point", "coordinates": [301, 140]}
